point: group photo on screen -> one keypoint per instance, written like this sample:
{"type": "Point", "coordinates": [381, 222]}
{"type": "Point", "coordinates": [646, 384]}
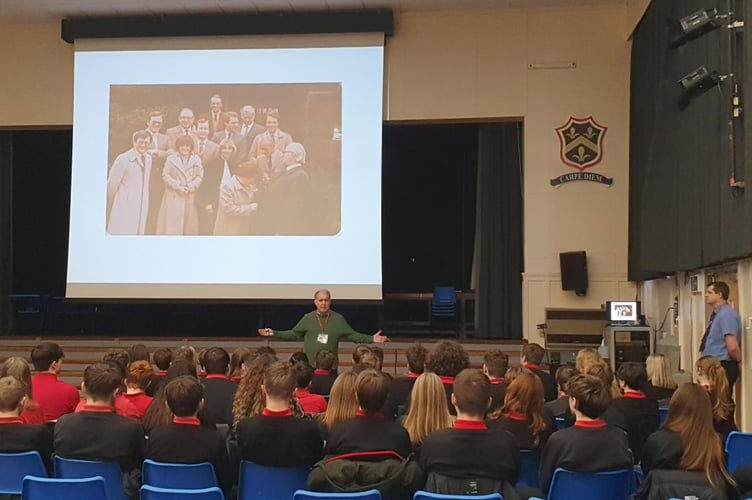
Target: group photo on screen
{"type": "Point", "coordinates": [229, 160]}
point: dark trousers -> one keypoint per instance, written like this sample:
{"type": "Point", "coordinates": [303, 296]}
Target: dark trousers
{"type": "Point", "coordinates": [732, 373]}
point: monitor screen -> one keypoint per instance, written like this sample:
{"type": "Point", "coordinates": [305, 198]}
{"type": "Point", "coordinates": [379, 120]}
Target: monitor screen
{"type": "Point", "coordinates": [623, 311]}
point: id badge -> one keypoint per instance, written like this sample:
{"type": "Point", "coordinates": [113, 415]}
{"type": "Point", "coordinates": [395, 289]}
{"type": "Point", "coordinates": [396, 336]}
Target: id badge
{"type": "Point", "coordinates": [322, 338]}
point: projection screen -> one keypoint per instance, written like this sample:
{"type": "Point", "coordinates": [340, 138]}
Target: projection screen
{"type": "Point", "coordinates": [227, 168]}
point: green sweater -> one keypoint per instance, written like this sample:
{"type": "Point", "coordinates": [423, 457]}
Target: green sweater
{"type": "Point", "coordinates": [335, 330]}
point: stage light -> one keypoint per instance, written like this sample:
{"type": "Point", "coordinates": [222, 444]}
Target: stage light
{"type": "Point", "coordinates": [697, 82]}
{"type": "Point", "coordinates": [697, 24]}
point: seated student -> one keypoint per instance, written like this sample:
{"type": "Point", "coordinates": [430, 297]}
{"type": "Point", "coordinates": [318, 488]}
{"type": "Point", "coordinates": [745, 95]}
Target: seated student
{"type": "Point", "coordinates": [400, 388]}
{"type": "Point", "coordinates": [368, 361]}
{"type": "Point", "coordinates": [311, 403]}
{"type": "Point", "coordinates": [522, 413]}
{"type": "Point", "coordinates": [299, 356]}
{"type": "Point", "coordinates": [15, 435]}
{"type": "Point", "coordinates": [640, 413]}
{"type": "Point", "coordinates": [219, 391]}
{"type": "Point", "coordinates": [661, 385]}
{"type": "Point", "coordinates": [276, 438]}
{"type": "Point", "coordinates": [369, 430]}
{"type": "Point", "coordinates": [54, 396]}
{"type": "Point", "coordinates": [712, 377]}
{"type": "Point", "coordinates": [97, 433]}
{"type": "Point", "coordinates": [162, 358]}
{"type": "Point", "coordinates": [358, 352]}
{"type": "Point", "coordinates": [531, 358]}
{"type": "Point", "coordinates": [446, 360]}
{"type": "Point", "coordinates": [590, 445]}
{"type": "Point", "coordinates": [185, 440]}
{"type": "Point", "coordinates": [470, 458]}
{"type": "Point", "coordinates": [139, 376]}
{"type": "Point", "coordinates": [560, 406]}
{"type": "Point", "coordinates": [427, 409]}
{"type": "Point", "coordinates": [342, 405]}
{"type": "Point", "coordinates": [323, 378]}
{"type": "Point", "coordinates": [495, 365]}
{"type": "Point", "coordinates": [18, 368]}
{"type": "Point", "coordinates": [238, 359]}
{"type": "Point", "coordinates": [379, 353]}
{"type": "Point", "coordinates": [688, 442]}
{"type": "Point", "coordinates": [122, 405]}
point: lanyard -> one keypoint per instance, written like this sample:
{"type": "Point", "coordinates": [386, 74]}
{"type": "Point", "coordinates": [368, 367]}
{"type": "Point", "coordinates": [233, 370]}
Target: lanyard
{"type": "Point", "coordinates": [323, 326]}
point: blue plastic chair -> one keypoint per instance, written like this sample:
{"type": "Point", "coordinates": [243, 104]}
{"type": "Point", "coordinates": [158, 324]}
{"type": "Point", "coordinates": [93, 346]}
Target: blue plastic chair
{"type": "Point", "coordinates": [179, 476]}
{"type": "Point", "coordinates": [612, 485]}
{"type": "Point", "coordinates": [258, 482]}
{"type": "Point", "coordinates": [44, 488]}
{"type": "Point", "coordinates": [662, 414]}
{"type": "Point", "coordinates": [14, 466]}
{"type": "Point", "coordinates": [70, 468]}
{"type": "Point", "coordinates": [426, 495]}
{"type": "Point", "coordinates": [738, 450]}
{"type": "Point", "coordinates": [315, 495]}
{"type": "Point", "coordinates": [560, 423]}
{"type": "Point", "coordinates": [529, 468]}
{"type": "Point", "coordinates": [154, 493]}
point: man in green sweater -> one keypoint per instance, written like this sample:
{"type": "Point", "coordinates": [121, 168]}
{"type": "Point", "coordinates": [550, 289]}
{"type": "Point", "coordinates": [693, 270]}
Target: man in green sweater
{"type": "Point", "coordinates": [323, 329]}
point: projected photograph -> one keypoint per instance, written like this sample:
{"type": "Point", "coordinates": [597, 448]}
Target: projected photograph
{"type": "Point", "coordinates": [224, 160]}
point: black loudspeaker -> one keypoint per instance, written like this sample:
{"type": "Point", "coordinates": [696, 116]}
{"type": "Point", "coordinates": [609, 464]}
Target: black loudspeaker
{"type": "Point", "coordinates": [574, 271]}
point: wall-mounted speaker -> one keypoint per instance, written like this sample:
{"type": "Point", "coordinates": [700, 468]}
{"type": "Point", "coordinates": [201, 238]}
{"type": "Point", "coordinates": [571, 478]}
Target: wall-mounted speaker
{"type": "Point", "coordinates": [574, 274]}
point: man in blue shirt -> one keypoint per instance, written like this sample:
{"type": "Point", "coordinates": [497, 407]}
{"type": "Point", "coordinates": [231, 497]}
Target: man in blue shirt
{"type": "Point", "coordinates": [722, 335]}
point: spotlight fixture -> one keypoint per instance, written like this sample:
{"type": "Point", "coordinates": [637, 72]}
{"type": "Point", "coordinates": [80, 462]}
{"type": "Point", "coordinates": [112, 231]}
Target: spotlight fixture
{"type": "Point", "coordinates": [697, 24]}
{"type": "Point", "coordinates": [697, 82]}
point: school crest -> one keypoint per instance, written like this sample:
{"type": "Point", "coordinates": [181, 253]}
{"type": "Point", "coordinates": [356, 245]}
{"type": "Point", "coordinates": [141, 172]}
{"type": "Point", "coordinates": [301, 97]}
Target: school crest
{"type": "Point", "coordinates": [581, 147]}
{"type": "Point", "coordinates": [581, 141]}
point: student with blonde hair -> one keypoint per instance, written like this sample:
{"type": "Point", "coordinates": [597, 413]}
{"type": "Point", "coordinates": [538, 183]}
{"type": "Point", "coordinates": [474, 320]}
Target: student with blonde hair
{"type": "Point", "coordinates": [428, 411]}
{"type": "Point", "coordinates": [712, 377]}
{"type": "Point", "coordinates": [661, 384]}
{"type": "Point", "coordinates": [19, 369]}
{"type": "Point", "coordinates": [15, 434]}
{"type": "Point", "coordinates": [343, 405]}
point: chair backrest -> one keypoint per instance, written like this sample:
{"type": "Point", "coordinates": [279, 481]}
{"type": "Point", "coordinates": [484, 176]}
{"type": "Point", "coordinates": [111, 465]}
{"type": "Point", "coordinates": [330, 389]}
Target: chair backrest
{"type": "Point", "coordinates": [258, 482]}
{"type": "Point", "coordinates": [70, 468]}
{"type": "Point", "coordinates": [612, 485]}
{"type": "Point", "coordinates": [315, 495]}
{"type": "Point", "coordinates": [443, 296]}
{"type": "Point", "coordinates": [13, 468]}
{"type": "Point", "coordinates": [529, 467]}
{"type": "Point", "coordinates": [560, 423]}
{"type": "Point", "coordinates": [179, 476]}
{"type": "Point", "coordinates": [662, 414]}
{"type": "Point", "coordinates": [738, 450]}
{"type": "Point", "coordinates": [44, 488]}
{"type": "Point", "coordinates": [154, 493]}
{"type": "Point", "coordinates": [426, 495]}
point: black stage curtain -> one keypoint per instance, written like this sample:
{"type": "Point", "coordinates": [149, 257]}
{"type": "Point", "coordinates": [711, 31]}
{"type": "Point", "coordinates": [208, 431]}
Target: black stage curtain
{"type": "Point", "coordinates": [499, 232]}
{"type": "Point", "coordinates": [683, 214]}
{"type": "Point", "coordinates": [6, 242]}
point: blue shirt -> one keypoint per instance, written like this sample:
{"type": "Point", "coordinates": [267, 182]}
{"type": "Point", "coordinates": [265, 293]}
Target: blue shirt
{"type": "Point", "coordinates": [726, 322]}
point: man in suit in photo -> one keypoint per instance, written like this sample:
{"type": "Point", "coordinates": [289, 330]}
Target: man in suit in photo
{"type": "Point", "coordinates": [281, 139]}
{"type": "Point", "coordinates": [184, 127]}
{"type": "Point", "coordinates": [215, 114]}
{"type": "Point", "coordinates": [205, 148]}
{"type": "Point", "coordinates": [231, 129]}
{"type": "Point", "coordinates": [160, 144]}
{"type": "Point", "coordinates": [249, 129]}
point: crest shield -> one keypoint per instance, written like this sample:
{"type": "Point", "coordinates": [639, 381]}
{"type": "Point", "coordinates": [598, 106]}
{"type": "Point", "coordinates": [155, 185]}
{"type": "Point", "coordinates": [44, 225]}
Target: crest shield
{"type": "Point", "coordinates": [581, 141]}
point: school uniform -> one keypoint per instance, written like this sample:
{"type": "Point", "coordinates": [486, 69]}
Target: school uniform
{"type": "Point", "coordinates": [97, 433]}
{"type": "Point", "coordinates": [367, 432]}
{"type": "Point", "coordinates": [519, 425]}
{"type": "Point", "coordinates": [587, 446]}
{"type": "Point", "coordinates": [185, 441]}
{"type": "Point", "coordinates": [322, 382]}
{"type": "Point", "coordinates": [640, 414]}
{"type": "Point", "coordinates": [54, 396]}
{"type": "Point", "coordinates": [277, 439]}
{"type": "Point", "coordinates": [16, 436]}
{"type": "Point", "coordinates": [219, 393]}
{"type": "Point", "coordinates": [311, 403]}
{"type": "Point", "coordinates": [550, 389]}
{"type": "Point", "coordinates": [469, 451]}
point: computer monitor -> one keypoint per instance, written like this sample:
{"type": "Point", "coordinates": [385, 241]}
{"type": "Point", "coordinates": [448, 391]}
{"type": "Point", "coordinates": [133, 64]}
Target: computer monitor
{"type": "Point", "coordinates": [623, 311]}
